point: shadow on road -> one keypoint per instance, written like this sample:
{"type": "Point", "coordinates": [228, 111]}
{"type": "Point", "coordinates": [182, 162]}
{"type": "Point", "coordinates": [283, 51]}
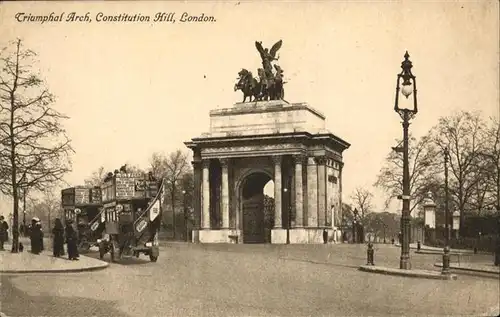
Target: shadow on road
{"type": "Point", "coordinates": [124, 261]}
{"type": "Point", "coordinates": [16, 303]}
{"type": "Point", "coordinates": [321, 263]}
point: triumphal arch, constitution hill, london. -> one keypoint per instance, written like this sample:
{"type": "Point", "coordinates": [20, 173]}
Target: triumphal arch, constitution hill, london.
{"type": "Point", "coordinates": [254, 142]}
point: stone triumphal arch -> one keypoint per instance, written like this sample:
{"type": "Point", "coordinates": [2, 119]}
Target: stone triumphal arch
{"type": "Point", "coordinates": [254, 142]}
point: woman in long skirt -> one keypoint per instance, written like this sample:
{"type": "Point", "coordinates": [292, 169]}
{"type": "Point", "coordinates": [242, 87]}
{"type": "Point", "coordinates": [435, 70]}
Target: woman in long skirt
{"type": "Point", "coordinates": [35, 233]}
{"type": "Point", "coordinates": [58, 236]}
{"type": "Point", "coordinates": [71, 240]}
{"type": "Point", "coordinates": [40, 236]}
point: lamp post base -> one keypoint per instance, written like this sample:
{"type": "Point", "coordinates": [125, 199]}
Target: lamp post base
{"type": "Point", "coordinates": [404, 263]}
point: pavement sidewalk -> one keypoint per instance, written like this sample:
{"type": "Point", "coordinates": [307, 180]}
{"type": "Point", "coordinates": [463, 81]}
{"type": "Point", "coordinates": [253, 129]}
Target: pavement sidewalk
{"type": "Point", "coordinates": [473, 267]}
{"type": "Point", "coordinates": [27, 262]}
{"type": "Point", "coordinates": [426, 248]}
{"type": "Point", "coordinates": [439, 250]}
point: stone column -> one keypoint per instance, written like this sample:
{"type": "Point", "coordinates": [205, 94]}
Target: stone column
{"type": "Point", "coordinates": [299, 199]}
{"type": "Point", "coordinates": [339, 209]}
{"type": "Point", "coordinates": [277, 191]}
{"type": "Point", "coordinates": [312, 193]}
{"type": "Point", "coordinates": [225, 193]}
{"type": "Point", "coordinates": [205, 217]}
{"type": "Point", "coordinates": [197, 193]}
{"type": "Point", "coordinates": [321, 161]}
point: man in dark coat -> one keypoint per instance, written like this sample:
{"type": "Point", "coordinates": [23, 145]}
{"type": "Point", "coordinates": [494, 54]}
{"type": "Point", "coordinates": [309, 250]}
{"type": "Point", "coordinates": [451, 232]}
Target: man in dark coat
{"type": "Point", "coordinates": [71, 240]}
{"type": "Point", "coordinates": [4, 234]}
{"type": "Point", "coordinates": [35, 236]}
{"type": "Point", "coordinates": [58, 237]}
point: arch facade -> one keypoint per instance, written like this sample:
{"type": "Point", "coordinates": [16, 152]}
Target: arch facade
{"type": "Point", "coordinates": [286, 142]}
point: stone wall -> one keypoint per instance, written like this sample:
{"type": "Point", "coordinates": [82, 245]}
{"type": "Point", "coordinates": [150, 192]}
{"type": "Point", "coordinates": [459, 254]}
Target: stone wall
{"type": "Point", "coordinates": [265, 118]}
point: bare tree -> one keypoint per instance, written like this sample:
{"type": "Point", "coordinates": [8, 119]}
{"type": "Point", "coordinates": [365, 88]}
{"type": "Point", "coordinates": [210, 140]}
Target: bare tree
{"type": "Point", "coordinates": [172, 169]}
{"type": "Point", "coordinates": [362, 201]}
{"type": "Point", "coordinates": [35, 151]}
{"type": "Point", "coordinates": [423, 169]}
{"type": "Point", "coordinates": [489, 163]}
{"type": "Point", "coordinates": [463, 134]}
{"type": "Point", "coordinates": [96, 178]}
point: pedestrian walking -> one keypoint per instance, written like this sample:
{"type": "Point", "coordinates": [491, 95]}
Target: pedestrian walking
{"type": "Point", "coordinates": [35, 234]}
{"type": "Point", "coordinates": [58, 238]}
{"type": "Point", "coordinates": [4, 233]}
{"type": "Point", "coordinates": [325, 236]}
{"type": "Point", "coordinates": [71, 241]}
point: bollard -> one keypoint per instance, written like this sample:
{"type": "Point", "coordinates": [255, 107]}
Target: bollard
{"type": "Point", "coordinates": [446, 260]}
{"type": "Point", "coordinates": [369, 254]}
{"type": "Point", "coordinates": [418, 246]}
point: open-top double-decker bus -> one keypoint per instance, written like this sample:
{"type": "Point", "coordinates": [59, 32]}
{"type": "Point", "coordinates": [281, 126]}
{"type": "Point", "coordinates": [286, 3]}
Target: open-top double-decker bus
{"type": "Point", "coordinates": [82, 204]}
{"type": "Point", "coordinates": [132, 208]}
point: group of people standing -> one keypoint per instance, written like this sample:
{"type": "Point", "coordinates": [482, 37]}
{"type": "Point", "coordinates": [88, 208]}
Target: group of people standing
{"type": "Point", "coordinates": [60, 234]}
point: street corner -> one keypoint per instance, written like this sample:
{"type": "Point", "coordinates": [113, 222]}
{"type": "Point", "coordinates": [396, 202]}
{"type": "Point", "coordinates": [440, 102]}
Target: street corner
{"type": "Point", "coordinates": [473, 267]}
{"type": "Point", "coordinates": [25, 262]}
{"type": "Point", "coordinates": [426, 274]}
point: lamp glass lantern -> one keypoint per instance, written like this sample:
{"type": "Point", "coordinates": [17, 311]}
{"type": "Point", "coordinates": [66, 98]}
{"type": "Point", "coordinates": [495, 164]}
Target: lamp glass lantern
{"type": "Point", "coordinates": [406, 85]}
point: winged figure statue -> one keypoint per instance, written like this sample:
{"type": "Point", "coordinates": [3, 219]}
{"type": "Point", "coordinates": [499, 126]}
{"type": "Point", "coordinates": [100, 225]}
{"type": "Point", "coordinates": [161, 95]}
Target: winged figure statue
{"type": "Point", "coordinates": [268, 55]}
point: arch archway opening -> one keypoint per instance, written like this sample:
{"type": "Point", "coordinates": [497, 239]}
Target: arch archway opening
{"type": "Point", "coordinates": [257, 202]}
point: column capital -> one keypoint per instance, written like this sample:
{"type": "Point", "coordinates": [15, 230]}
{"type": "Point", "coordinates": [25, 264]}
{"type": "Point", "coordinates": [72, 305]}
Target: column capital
{"type": "Point", "coordinates": [224, 162]}
{"type": "Point", "coordinates": [300, 158]}
{"type": "Point", "coordinates": [205, 163]}
{"type": "Point", "coordinates": [196, 163]}
{"type": "Point", "coordinates": [277, 159]}
{"type": "Point", "coordinates": [320, 160]}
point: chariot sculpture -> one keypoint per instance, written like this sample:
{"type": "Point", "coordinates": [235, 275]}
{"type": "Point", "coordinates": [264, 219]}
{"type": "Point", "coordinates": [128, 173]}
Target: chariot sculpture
{"type": "Point", "coordinates": [269, 84]}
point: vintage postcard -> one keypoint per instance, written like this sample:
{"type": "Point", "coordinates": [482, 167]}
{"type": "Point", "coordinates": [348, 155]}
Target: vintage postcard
{"type": "Point", "coordinates": [249, 158]}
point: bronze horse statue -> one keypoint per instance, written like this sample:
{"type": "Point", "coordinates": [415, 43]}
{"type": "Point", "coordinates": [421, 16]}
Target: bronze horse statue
{"type": "Point", "coordinates": [271, 88]}
{"type": "Point", "coordinates": [248, 85]}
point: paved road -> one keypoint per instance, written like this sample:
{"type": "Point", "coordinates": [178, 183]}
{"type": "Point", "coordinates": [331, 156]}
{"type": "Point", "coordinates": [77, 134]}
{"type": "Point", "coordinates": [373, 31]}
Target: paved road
{"type": "Point", "coordinates": [248, 280]}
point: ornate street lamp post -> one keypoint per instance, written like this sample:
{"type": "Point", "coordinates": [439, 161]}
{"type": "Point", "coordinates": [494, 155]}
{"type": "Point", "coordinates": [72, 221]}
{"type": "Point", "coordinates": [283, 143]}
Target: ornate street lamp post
{"type": "Point", "coordinates": [446, 250]}
{"type": "Point", "coordinates": [409, 86]}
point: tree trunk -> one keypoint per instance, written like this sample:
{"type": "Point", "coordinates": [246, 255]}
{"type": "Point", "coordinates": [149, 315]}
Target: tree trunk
{"type": "Point", "coordinates": [15, 222]}
{"type": "Point", "coordinates": [174, 226]}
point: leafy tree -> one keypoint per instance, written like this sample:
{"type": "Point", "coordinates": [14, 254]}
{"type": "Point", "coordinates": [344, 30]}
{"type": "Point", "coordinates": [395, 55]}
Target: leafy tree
{"type": "Point", "coordinates": [35, 151]}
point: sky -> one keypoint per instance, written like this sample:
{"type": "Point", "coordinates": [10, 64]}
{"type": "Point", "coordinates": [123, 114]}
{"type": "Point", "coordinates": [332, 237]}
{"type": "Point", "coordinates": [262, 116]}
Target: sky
{"type": "Point", "coordinates": [132, 89]}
